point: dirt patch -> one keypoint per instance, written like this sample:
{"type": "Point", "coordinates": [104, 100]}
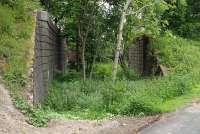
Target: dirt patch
{"type": "Point", "coordinates": [13, 122]}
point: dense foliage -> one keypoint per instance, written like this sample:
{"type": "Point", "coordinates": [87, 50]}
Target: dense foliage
{"type": "Point", "coordinates": [91, 27]}
{"type": "Point", "coordinates": [183, 18]}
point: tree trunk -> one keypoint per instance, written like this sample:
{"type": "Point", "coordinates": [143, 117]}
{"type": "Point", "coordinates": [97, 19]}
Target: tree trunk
{"type": "Point", "coordinates": [83, 45]}
{"type": "Point", "coordinates": [77, 63]}
{"type": "Point", "coordinates": [93, 63]}
{"type": "Point", "coordinates": [120, 38]}
{"type": "Point", "coordinates": [123, 65]}
{"type": "Point", "coordinates": [83, 35]}
{"type": "Point", "coordinates": [83, 61]}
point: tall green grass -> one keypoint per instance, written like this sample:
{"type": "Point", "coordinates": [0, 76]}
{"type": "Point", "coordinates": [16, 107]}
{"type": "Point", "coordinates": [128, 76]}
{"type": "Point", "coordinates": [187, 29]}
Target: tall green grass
{"type": "Point", "coordinates": [121, 97]}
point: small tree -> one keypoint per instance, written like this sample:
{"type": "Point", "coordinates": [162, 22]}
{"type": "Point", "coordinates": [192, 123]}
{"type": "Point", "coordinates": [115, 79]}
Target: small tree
{"type": "Point", "coordinates": [120, 37]}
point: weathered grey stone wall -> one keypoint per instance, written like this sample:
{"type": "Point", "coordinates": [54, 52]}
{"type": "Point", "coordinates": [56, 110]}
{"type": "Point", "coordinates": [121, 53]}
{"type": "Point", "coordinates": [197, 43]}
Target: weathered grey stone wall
{"type": "Point", "coordinates": [49, 56]}
{"type": "Point", "coordinates": [136, 56]}
{"type": "Point", "coordinates": [140, 58]}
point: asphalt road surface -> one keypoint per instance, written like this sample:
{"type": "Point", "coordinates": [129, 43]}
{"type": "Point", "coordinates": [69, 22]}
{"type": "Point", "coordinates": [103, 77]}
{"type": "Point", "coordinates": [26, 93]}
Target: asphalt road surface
{"type": "Point", "coordinates": [186, 121]}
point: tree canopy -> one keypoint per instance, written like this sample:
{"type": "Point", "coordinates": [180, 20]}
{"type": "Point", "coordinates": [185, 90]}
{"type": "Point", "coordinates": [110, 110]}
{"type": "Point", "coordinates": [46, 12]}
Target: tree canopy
{"type": "Point", "coordinates": [92, 26]}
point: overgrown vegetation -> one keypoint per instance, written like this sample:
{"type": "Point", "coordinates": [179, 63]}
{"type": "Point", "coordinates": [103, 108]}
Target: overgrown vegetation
{"type": "Point", "coordinates": [16, 28]}
{"type": "Point", "coordinates": [91, 28]}
{"type": "Point", "coordinates": [140, 97]}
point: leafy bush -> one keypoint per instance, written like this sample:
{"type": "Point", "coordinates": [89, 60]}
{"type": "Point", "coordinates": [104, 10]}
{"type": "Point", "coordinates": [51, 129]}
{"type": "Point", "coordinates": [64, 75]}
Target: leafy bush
{"type": "Point", "coordinates": [140, 106]}
{"type": "Point", "coordinates": [69, 76]}
{"type": "Point", "coordinates": [37, 116]}
{"type": "Point", "coordinates": [72, 95]}
{"type": "Point", "coordinates": [190, 30]}
{"type": "Point", "coordinates": [15, 76]}
{"type": "Point", "coordinates": [132, 74]}
{"type": "Point", "coordinates": [103, 71]}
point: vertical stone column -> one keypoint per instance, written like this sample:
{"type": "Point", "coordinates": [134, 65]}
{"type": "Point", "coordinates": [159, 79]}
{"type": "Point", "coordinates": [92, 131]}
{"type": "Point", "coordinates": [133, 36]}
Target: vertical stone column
{"type": "Point", "coordinates": [48, 49]}
{"type": "Point", "coordinates": [136, 56]}
{"type": "Point", "coordinates": [63, 55]}
{"type": "Point", "coordinates": [139, 56]}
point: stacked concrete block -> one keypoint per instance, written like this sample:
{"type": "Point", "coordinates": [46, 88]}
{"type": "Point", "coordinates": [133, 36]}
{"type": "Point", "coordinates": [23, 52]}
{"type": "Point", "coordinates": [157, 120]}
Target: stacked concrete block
{"type": "Point", "coordinates": [49, 55]}
{"type": "Point", "coordinates": [140, 57]}
{"type": "Point", "coordinates": [136, 56]}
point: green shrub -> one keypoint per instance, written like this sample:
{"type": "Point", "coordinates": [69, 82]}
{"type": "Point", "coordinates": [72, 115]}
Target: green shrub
{"type": "Point", "coordinates": [37, 117]}
{"type": "Point", "coordinates": [68, 76]}
{"type": "Point", "coordinates": [16, 76]}
{"type": "Point", "coordinates": [140, 105]}
{"type": "Point", "coordinates": [190, 30]}
{"type": "Point", "coordinates": [73, 95]}
{"type": "Point", "coordinates": [132, 75]}
{"type": "Point", "coordinates": [104, 71]}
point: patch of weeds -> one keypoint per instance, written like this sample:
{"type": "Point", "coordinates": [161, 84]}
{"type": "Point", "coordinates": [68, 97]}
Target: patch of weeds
{"type": "Point", "coordinates": [79, 115]}
{"type": "Point", "coordinates": [140, 106]}
{"type": "Point", "coordinates": [176, 103]}
{"type": "Point", "coordinates": [36, 116]}
{"type": "Point", "coordinates": [119, 98]}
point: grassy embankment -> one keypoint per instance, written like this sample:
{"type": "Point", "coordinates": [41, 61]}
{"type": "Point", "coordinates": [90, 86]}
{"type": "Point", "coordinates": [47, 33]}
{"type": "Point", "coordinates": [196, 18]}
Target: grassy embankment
{"type": "Point", "coordinates": [16, 52]}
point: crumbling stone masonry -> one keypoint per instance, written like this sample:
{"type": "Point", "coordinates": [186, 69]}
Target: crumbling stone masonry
{"type": "Point", "coordinates": [49, 56]}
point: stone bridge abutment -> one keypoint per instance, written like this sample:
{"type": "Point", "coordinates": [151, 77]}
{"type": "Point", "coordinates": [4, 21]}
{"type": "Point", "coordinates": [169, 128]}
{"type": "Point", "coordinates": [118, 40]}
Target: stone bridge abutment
{"type": "Point", "coordinates": [49, 55]}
